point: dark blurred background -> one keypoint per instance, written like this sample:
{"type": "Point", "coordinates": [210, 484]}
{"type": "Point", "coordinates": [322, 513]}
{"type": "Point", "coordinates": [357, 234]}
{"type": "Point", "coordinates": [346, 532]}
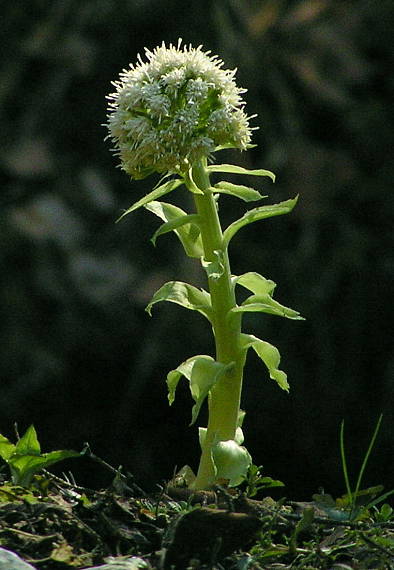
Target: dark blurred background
{"type": "Point", "coordinates": [79, 356]}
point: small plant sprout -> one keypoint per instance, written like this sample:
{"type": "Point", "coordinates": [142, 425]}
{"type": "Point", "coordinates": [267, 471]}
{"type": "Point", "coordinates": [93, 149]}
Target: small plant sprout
{"type": "Point", "coordinates": [169, 114]}
{"type": "Point", "coordinates": [25, 459]}
{"type": "Point", "coordinates": [367, 497]}
{"type": "Point", "coordinates": [256, 482]}
{"type": "Point", "coordinates": [355, 505]}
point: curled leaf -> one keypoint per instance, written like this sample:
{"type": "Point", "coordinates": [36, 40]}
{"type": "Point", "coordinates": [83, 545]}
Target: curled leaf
{"type": "Point", "coordinates": [185, 295]}
{"type": "Point", "coordinates": [202, 372]}
{"type": "Point", "coordinates": [262, 301]}
{"type": "Point", "coordinates": [184, 225]}
{"type": "Point", "coordinates": [256, 283]}
{"type": "Point", "coordinates": [269, 354]}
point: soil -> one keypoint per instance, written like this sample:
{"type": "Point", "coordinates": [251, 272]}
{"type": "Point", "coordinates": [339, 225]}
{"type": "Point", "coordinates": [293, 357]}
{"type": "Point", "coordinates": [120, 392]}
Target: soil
{"type": "Point", "coordinates": [59, 525]}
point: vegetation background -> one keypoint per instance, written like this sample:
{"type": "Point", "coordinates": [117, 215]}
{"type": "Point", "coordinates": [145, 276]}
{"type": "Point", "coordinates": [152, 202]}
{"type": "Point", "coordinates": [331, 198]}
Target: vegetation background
{"type": "Point", "coordinates": [79, 356]}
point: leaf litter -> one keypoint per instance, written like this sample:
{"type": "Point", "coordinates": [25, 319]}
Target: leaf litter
{"type": "Point", "coordinates": [59, 525]}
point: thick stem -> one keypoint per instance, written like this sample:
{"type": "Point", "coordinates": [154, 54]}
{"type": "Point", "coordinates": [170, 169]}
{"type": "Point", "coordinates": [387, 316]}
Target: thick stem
{"type": "Point", "coordinates": [224, 397]}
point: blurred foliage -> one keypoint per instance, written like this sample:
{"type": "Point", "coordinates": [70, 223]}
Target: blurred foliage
{"type": "Point", "coordinates": [79, 356]}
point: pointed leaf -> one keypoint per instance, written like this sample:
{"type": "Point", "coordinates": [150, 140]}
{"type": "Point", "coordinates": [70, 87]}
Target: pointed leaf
{"type": "Point", "coordinates": [185, 226]}
{"type": "Point", "coordinates": [28, 443]}
{"type": "Point", "coordinates": [185, 295]}
{"type": "Point", "coordinates": [256, 214]}
{"type": "Point", "coordinates": [265, 304]}
{"type": "Point", "coordinates": [269, 354]}
{"type": "Point", "coordinates": [245, 193]}
{"type": "Point", "coordinates": [232, 169]}
{"type": "Point", "coordinates": [6, 448]}
{"type": "Point", "coordinates": [161, 190]}
{"type": "Point", "coordinates": [202, 372]}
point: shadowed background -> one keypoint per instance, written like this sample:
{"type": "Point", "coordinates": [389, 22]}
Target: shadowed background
{"type": "Point", "coordinates": [80, 358]}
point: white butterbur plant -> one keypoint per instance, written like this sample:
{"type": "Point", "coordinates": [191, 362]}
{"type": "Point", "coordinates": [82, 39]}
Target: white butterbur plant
{"type": "Point", "coordinates": [170, 114]}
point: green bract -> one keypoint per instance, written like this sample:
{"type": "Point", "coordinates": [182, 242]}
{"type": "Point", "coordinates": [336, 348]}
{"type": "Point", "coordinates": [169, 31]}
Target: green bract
{"type": "Point", "coordinates": [174, 109]}
{"type": "Point", "coordinates": [169, 114]}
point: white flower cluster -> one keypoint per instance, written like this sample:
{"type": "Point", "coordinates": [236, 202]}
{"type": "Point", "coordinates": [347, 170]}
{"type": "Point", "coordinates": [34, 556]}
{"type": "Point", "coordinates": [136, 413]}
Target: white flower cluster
{"type": "Point", "coordinates": [174, 109]}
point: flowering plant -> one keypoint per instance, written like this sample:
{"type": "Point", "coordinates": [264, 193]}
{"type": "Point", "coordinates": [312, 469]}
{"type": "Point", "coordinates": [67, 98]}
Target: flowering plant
{"type": "Point", "coordinates": [169, 114]}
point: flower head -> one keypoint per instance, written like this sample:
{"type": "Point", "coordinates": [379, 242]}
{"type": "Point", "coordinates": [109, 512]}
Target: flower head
{"type": "Point", "coordinates": [174, 109]}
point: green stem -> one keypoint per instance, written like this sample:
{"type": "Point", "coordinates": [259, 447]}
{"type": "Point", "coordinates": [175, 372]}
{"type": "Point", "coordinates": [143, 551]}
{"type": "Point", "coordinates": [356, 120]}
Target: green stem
{"type": "Point", "coordinates": [224, 397]}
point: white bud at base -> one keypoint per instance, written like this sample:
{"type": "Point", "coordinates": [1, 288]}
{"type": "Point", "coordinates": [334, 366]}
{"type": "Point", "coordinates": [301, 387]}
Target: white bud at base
{"type": "Point", "coordinates": [231, 461]}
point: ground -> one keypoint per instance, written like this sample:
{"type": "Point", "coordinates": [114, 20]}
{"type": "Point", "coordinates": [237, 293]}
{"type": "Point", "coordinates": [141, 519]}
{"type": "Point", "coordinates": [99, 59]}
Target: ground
{"type": "Point", "coordinates": [58, 525]}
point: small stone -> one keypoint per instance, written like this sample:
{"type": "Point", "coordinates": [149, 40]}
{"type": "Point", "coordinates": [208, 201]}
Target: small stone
{"type": "Point", "coordinates": [11, 561]}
